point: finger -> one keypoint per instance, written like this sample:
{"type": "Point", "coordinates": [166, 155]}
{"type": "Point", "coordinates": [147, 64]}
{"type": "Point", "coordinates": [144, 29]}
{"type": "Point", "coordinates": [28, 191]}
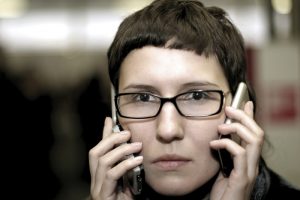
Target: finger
{"type": "Point", "coordinates": [240, 116]}
{"type": "Point", "coordinates": [238, 153]}
{"type": "Point", "coordinates": [98, 150]}
{"type": "Point", "coordinates": [104, 146]}
{"type": "Point", "coordinates": [107, 161]}
{"type": "Point", "coordinates": [115, 173]}
{"type": "Point", "coordinates": [120, 153]}
{"type": "Point", "coordinates": [107, 130]}
{"type": "Point", "coordinates": [254, 135]}
{"type": "Point", "coordinates": [243, 132]}
{"type": "Point", "coordinates": [119, 170]}
{"type": "Point", "coordinates": [250, 141]}
{"type": "Point", "coordinates": [251, 135]}
{"type": "Point", "coordinates": [109, 142]}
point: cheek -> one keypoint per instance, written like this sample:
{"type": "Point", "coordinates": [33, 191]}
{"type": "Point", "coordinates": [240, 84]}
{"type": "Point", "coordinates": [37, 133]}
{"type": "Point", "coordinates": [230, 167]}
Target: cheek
{"type": "Point", "coordinates": [201, 133]}
{"type": "Point", "coordinates": [140, 131]}
{"type": "Point", "coordinates": [204, 129]}
{"type": "Point", "coordinates": [145, 133]}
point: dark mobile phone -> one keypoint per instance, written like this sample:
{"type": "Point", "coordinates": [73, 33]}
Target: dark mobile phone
{"type": "Point", "coordinates": [133, 178]}
{"type": "Point", "coordinates": [240, 98]}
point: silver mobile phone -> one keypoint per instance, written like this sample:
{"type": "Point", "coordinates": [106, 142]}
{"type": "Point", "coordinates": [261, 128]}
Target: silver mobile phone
{"type": "Point", "coordinates": [240, 98]}
{"type": "Point", "coordinates": [134, 176]}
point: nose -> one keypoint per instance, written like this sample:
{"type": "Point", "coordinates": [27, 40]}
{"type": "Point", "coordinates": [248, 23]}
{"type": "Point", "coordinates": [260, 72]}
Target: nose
{"type": "Point", "coordinates": [169, 124]}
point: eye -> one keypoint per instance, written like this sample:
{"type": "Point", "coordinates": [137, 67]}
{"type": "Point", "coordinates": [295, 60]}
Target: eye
{"type": "Point", "coordinates": [198, 95]}
{"type": "Point", "coordinates": [143, 97]}
{"type": "Point", "coordinates": [194, 95]}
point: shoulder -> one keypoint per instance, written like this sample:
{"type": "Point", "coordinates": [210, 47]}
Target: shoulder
{"type": "Point", "coordinates": [280, 188]}
{"type": "Point", "coordinates": [270, 185]}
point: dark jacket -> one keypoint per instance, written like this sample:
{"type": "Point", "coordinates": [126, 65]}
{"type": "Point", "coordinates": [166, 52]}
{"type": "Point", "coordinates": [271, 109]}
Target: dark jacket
{"type": "Point", "coordinates": [271, 186]}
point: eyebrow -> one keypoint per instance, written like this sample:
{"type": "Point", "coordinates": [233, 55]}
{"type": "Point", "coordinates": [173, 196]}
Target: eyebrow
{"type": "Point", "coordinates": [200, 84]}
{"type": "Point", "coordinates": [186, 85]}
{"type": "Point", "coordinates": [141, 87]}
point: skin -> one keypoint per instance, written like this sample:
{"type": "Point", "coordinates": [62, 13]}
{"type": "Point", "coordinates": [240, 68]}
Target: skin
{"type": "Point", "coordinates": [171, 135]}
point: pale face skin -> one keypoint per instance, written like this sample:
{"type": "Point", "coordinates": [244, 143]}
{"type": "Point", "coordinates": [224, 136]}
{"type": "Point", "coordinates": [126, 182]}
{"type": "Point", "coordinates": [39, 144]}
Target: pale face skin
{"type": "Point", "coordinates": [168, 72]}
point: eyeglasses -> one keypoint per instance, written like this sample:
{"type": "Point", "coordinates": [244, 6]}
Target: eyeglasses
{"type": "Point", "coordinates": [198, 103]}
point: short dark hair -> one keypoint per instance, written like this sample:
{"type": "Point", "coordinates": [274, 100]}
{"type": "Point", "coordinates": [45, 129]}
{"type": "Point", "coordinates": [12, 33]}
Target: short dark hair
{"type": "Point", "coordinates": [186, 25]}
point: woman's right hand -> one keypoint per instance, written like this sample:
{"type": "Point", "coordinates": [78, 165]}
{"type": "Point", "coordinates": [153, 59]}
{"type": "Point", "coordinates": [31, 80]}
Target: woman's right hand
{"type": "Point", "coordinates": [107, 163]}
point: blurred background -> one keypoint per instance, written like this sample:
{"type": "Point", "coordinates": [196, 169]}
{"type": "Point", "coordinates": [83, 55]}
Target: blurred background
{"type": "Point", "coordinates": [55, 87]}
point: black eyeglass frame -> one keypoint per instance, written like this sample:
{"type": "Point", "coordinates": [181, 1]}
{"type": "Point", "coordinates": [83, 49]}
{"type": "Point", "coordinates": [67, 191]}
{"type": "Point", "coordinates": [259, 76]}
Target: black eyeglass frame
{"type": "Point", "coordinates": [163, 100]}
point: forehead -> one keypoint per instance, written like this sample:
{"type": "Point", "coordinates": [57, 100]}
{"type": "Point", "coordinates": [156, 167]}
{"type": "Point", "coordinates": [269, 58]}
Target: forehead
{"type": "Point", "coordinates": [170, 69]}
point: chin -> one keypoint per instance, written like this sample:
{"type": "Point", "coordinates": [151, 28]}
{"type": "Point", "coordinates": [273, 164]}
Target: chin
{"type": "Point", "coordinates": [174, 191]}
{"type": "Point", "coordinates": [173, 186]}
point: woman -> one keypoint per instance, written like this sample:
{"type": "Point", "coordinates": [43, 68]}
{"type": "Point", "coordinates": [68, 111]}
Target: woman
{"type": "Point", "coordinates": [175, 66]}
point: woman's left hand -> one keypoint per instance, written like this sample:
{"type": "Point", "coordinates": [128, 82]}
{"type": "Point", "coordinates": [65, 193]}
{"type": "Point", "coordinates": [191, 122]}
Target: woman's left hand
{"type": "Point", "coordinates": [246, 155]}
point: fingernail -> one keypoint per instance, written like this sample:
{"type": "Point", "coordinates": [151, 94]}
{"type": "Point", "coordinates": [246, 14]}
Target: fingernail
{"type": "Point", "coordinates": [251, 105]}
{"type": "Point", "coordinates": [137, 144]}
{"type": "Point", "coordinates": [105, 120]}
{"type": "Point", "coordinates": [139, 158]}
{"type": "Point", "coordinates": [230, 108]}
{"type": "Point", "coordinates": [124, 132]}
{"type": "Point", "coordinates": [220, 126]}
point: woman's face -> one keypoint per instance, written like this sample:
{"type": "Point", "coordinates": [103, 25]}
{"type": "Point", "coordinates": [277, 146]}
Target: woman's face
{"type": "Point", "coordinates": [177, 156]}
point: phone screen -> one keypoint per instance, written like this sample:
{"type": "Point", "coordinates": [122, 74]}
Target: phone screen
{"type": "Point", "coordinates": [240, 98]}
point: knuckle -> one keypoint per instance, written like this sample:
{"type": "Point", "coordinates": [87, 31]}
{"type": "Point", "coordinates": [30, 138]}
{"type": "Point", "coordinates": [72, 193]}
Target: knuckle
{"type": "Point", "coordinates": [92, 153]}
{"type": "Point", "coordinates": [242, 152]}
{"type": "Point", "coordinates": [125, 148]}
{"type": "Point", "coordinates": [110, 175]}
{"type": "Point", "coordinates": [261, 142]}
{"type": "Point", "coordinates": [102, 161]}
{"type": "Point", "coordinates": [94, 195]}
{"type": "Point", "coordinates": [128, 163]}
{"type": "Point", "coordinates": [261, 133]}
{"type": "Point", "coordinates": [257, 141]}
{"type": "Point", "coordinates": [260, 138]}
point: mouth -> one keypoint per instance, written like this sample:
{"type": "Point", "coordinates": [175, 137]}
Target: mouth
{"type": "Point", "coordinates": [171, 162]}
